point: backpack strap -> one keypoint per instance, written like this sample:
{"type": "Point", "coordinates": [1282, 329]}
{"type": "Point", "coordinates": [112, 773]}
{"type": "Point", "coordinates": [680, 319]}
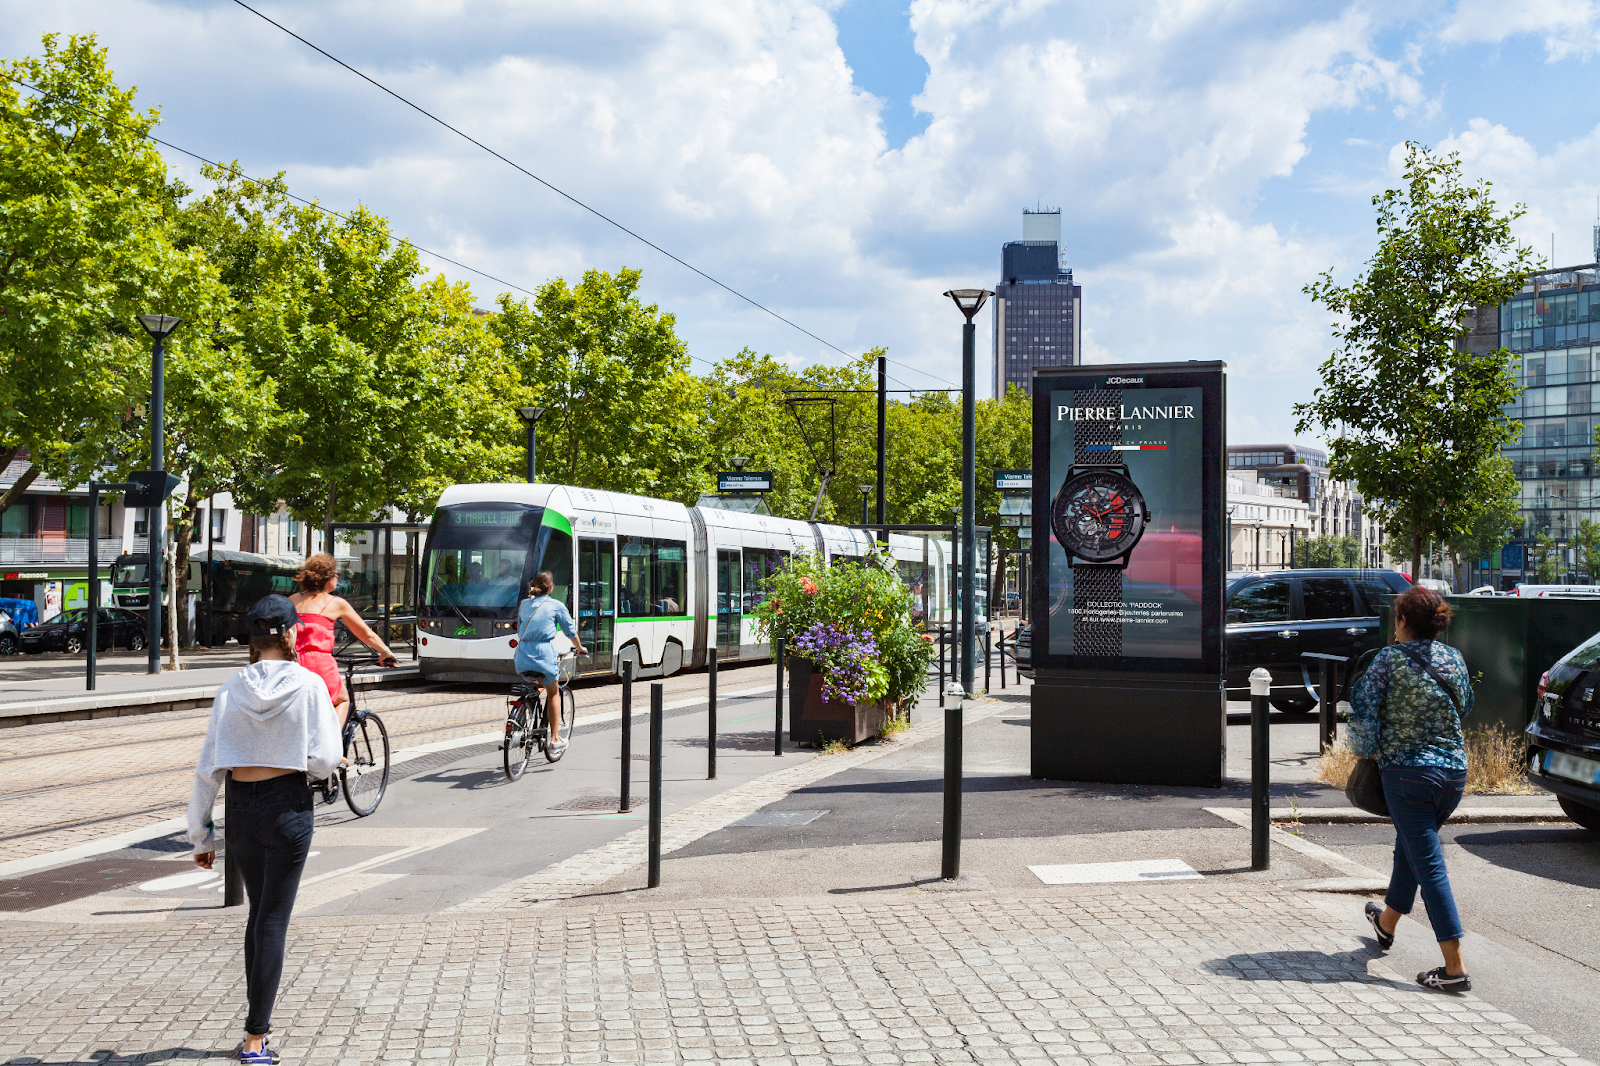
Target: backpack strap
{"type": "Point", "coordinates": [1428, 668]}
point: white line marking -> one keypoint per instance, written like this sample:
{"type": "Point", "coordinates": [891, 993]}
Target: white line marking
{"type": "Point", "coordinates": [1102, 873]}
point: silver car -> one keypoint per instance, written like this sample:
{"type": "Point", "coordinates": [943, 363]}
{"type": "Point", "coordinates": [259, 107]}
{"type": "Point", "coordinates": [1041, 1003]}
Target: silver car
{"type": "Point", "coordinates": [9, 637]}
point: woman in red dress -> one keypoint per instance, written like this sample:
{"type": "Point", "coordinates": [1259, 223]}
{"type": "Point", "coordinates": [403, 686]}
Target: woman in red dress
{"type": "Point", "coordinates": [319, 609]}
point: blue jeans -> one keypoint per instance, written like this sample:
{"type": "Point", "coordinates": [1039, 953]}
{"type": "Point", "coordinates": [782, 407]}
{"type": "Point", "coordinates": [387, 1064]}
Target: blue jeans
{"type": "Point", "coordinates": [1421, 799]}
{"type": "Point", "coordinates": [268, 833]}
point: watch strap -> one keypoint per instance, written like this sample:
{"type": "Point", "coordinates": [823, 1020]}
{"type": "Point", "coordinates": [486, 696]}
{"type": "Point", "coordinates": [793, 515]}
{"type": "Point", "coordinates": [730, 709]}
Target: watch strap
{"type": "Point", "coordinates": [1096, 628]}
{"type": "Point", "coordinates": [1096, 431]}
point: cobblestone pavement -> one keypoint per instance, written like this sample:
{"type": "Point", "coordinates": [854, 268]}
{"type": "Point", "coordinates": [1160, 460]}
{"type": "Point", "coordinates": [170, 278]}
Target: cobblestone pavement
{"type": "Point", "coordinates": [1156, 977]}
{"type": "Point", "coordinates": [66, 783]}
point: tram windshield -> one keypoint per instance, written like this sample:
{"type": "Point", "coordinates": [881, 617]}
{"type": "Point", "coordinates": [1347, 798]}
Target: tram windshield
{"type": "Point", "coordinates": [477, 560]}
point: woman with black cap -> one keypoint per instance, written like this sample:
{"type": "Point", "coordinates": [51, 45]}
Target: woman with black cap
{"type": "Point", "coordinates": [271, 724]}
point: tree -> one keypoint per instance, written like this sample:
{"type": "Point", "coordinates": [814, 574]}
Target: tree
{"type": "Point", "coordinates": [1586, 549]}
{"type": "Point", "coordinates": [1342, 552]}
{"type": "Point", "coordinates": [1496, 519]}
{"type": "Point", "coordinates": [623, 412]}
{"type": "Point", "coordinates": [1544, 559]}
{"type": "Point", "coordinates": [83, 195]}
{"type": "Point", "coordinates": [1418, 415]}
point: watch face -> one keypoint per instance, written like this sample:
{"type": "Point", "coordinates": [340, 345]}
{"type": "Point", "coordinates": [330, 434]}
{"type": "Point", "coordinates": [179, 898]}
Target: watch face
{"type": "Point", "coordinates": [1099, 515]}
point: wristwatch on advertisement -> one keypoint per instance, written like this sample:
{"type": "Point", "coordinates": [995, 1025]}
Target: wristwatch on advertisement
{"type": "Point", "coordinates": [1098, 517]}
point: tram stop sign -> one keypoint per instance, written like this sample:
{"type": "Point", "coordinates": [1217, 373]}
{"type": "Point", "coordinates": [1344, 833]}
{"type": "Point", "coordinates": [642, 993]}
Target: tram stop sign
{"type": "Point", "coordinates": [150, 488]}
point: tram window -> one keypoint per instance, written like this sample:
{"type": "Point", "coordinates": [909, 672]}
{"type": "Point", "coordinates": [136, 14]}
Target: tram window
{"type": "Point", "coordinates": [633, 577]}
{"type": "Point", "coordinates": [670, 577]}
{"type": "Point", "coordinates": [755, 578]}
{"type": "Point", "coordinates": [558, 560]}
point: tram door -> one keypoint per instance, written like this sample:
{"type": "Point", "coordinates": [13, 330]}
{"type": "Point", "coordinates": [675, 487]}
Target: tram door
{"type": "Point", "coordinates": [597, 601]}
{"type": "Point", "coordinates": [730, 605]}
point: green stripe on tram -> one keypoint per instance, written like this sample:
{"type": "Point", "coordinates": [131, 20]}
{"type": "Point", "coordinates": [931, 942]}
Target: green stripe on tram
{"type": "Point", "coordinates": [556, 520]}
{"type": "Point", "coordinates": [655, 618]}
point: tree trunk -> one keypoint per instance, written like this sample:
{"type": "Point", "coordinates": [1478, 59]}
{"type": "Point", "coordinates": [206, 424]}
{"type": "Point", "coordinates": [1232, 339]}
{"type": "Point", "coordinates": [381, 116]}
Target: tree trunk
{"type": "Point", "coordinates": [327, 519]}
{"type": "Point", "coordinates": [173, 613]}
{"type": "Point", "coordinates": [1416, 555]}
{"type": "Point", "coordinates": [14, 493]}
{"type": "Point", "coordinates": [180, 569]}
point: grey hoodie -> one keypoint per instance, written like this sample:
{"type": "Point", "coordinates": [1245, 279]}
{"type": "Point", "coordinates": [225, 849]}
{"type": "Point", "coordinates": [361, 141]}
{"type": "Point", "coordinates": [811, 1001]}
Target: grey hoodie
{"type": "Point", "coordinates": [271, 713]}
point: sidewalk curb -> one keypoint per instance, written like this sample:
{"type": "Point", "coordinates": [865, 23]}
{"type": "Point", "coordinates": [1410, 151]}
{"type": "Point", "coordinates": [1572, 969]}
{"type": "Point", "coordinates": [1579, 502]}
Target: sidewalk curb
{"type": "Point", "coordinates": [1462, 815]}
{"type": "Point", "coordinates": [569, 877]}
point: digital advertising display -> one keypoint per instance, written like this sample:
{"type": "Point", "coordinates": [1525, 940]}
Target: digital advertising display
{"type": "Point", "coordinates": [1127, 518]}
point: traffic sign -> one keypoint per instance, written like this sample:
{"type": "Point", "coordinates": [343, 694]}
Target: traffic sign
{"type": "Point", "coordinates": [1013, 480]}
{"type": "Point", "coordinates": [758, 481]}
{"type": "Point", "coordinates": [150, 487]}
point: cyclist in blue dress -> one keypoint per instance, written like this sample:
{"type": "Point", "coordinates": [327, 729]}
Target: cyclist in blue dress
{"type": "Point", "coordinates": [539, 618]}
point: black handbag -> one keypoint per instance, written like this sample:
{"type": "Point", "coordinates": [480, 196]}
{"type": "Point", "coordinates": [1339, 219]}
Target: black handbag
{"type": "Point", "coordinates": [1364, 787]}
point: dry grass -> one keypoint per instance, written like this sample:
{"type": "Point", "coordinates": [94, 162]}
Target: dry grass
{"type": "Point", "coordinates": [1497, 759]}
{"type": "Point", "coordinates": [896, 725]}
{"type": "Point", "coordinates": [834, 747]}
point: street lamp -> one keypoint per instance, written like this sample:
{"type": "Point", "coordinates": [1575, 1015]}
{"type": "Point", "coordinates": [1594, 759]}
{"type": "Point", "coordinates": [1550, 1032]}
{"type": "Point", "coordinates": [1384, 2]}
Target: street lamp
{"type": "Point", "coordinates": [159, 327]}
{"type": "Point", "coordinates": [531, 415]}
{"type": "Point", "coordinates": [970, 302]}
{"type": "Point", "coordinates": [866, 490]}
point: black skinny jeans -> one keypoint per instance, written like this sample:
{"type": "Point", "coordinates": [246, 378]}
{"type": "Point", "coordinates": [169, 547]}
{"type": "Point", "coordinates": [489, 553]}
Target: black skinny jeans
{"type": "Point", "coordinates": [268, 833]}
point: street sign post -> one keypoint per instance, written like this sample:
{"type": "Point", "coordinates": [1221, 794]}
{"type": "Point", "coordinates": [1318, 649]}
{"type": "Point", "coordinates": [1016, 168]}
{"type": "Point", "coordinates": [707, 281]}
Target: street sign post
{"type": "Point", "coordinates": [149, 488]}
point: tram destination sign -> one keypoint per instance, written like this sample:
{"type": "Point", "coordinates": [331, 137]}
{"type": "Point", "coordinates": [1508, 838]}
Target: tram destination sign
{"type": "Point", "coordinates": [1013, 480]}
{"type": "Point", "coordinates": [742, 481]}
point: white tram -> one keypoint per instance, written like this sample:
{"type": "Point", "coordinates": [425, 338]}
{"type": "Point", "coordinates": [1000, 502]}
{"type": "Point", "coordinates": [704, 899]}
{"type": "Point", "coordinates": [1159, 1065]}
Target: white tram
{"type": "Point", "coordinates": [657, 583]}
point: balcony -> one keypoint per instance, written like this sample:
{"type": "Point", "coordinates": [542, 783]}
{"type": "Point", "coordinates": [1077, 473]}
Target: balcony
{"type": "Point", "coordinates": [61, 551]}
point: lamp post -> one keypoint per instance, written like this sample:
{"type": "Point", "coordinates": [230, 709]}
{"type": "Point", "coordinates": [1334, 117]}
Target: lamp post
{"type": "Point", "coordinates": [531, 415]}
{"type": "Point", "coordinates": [159, 327]}
{"type": "Point", "coordinates": [969, 302]}
{"type": "Point", "coordinates": [866, 492]}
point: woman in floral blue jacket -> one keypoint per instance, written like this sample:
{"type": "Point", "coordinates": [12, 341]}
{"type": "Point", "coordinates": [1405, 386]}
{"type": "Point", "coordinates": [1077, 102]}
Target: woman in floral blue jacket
{"type": "Point", "coordinates": [1406, 713]}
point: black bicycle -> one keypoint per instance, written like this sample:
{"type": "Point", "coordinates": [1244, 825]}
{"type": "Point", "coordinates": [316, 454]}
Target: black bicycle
{"type": "Point", "coordinates": [363, 777]}
{"type": "Point", "coordinates": [528, 726]}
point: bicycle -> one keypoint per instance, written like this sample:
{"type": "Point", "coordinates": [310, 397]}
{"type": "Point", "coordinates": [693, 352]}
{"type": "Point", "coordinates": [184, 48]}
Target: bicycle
{"type": "Point", "coordinates": [363, 777]}
{"type": "Point", "coordinates": [529, 727]}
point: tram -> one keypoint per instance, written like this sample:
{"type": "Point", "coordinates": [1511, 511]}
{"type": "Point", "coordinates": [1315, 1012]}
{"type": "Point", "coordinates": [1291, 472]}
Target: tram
{"type": "Point", "coordinates": [647, 581]}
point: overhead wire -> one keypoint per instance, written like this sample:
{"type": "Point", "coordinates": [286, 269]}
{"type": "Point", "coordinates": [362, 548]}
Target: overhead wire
{"type": "Point", "coordinates": [419, 109]}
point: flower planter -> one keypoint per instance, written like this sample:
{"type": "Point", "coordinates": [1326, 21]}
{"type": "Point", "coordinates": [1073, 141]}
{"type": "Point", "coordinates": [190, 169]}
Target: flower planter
{"type": "Point", "coordinates": [814, 719]}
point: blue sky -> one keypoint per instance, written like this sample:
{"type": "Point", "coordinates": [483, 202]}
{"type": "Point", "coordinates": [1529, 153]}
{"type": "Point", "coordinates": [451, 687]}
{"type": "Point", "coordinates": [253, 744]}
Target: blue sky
{"type": "Point", "coordinates": [844, 163]}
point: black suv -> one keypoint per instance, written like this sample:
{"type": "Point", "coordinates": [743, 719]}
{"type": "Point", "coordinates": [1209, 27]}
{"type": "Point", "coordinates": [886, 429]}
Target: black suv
{"type": "Point", "coordinates": [1564, 739]}
{"type": "Point", "coordinates": [1273, 616]}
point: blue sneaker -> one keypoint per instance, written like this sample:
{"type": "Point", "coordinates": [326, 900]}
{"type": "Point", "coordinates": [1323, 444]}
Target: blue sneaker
{"type": "Point", "coordinates": [265, 1057]}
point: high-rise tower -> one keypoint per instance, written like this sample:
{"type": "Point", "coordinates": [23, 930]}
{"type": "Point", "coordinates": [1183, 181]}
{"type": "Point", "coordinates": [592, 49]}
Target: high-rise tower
{"type": "Point", "coordinates": [1037, 308]}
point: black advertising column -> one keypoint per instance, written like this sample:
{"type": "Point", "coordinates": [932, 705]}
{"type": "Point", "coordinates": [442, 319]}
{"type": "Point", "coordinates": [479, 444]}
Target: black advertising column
{"type": "Point", "coordinates": [1127, 572]}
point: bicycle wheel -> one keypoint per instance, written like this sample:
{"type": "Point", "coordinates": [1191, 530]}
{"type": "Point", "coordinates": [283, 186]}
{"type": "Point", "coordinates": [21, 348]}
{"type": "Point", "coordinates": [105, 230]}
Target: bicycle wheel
{"type": "Point", "coordinates": [518, 746]}
{"type": "Point", "coordinates": [366, 778]}
{"type": "Point", "coordinates": [568, 710]}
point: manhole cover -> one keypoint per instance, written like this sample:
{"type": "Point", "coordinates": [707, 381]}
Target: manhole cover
{"type": "Point", "coordinates": [593, 803]}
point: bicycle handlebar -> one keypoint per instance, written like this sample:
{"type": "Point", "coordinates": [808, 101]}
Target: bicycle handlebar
{"type": "Point", "coordinates": [353, 661]}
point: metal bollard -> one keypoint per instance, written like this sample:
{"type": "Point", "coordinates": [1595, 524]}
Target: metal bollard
{"type": "Point", "coordinates": [950, 866]}
{"type": "Point", "coordinates": [1002, 644]}
{"type": "Point", "coordinates": [232, 883]}
{"type": "Point", "coordinates": [1327, 707]}
{"type": "Point", "coordinates": [656, 717]}
{"type": "Point", "coordinates": [626, 804]}
{"type": "Point", "coordinates": [988, 653]}
{"type": "Point", "coordinates": [711, 717]}
{"type": "Point", "coordinates": [941, 669]}
{"type": "Point", "coordinates": [1260, 768]}
{"type": "Point", "coordinates": [777, 701]}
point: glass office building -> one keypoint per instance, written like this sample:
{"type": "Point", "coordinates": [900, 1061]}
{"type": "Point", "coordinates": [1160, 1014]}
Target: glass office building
{"type": "Point", "coordinates": [1553, 328]}
{"type": "Point", "coordinates": [1037, 320]}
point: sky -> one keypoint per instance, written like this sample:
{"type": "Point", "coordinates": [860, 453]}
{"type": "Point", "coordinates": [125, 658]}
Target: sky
{"type": "Point", "coordinates": [844, 163]}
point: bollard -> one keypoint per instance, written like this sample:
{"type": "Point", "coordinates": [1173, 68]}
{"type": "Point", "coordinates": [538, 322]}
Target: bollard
{"type": "Point", "coordinates": [950, 867]}
{"type": "Point", "coordinates": [777, 728]}
{"type": "Point", "coordinates": [711, 717]}
{"type": "Point", "coordinates": [232, 882]}
{"type": "Point", "coordinates": [656, 716]}
{"type": "Point", "coordinates": [941, 668]}
{"type": "Point", "coordinates": [1260, 768]}
{"type": "Point", "coordinates": [1002, 645]}
{"type": "Point", "coordinates": [1326, 707]}
{"type": "Point", "coordinates": [626, 804]}
{"type": "Point", "coordinates": [988, 653]}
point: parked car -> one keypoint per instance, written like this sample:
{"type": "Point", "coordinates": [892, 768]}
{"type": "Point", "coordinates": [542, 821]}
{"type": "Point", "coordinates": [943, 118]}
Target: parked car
{"type": "Point", "coordinates": [1484, 590]}
{"type": "Point", "coordinates": [1564, 739]}
{"type": "Point", "coordinates": [10, 639]}
{"type": "Point", "coordinates": [1275, 616]}
{"type": "Point", "coordinates": [1575, 592]}
{"type": "Point", "coordinates": [69, 631]}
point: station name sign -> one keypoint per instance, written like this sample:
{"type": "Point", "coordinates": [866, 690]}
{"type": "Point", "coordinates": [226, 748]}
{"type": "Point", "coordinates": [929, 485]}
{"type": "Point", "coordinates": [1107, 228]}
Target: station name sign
{"type": "Point", "coordinates": [1013, 480]}
{"type": "Point", "coordinates": [760, 481]}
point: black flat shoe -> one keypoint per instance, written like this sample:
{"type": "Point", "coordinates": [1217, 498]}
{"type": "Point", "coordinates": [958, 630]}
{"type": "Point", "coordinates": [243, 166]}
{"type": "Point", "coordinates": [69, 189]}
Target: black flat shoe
{"type": "Point", "coordinates": [1436, 978]}
{"type": "Point", "coordinates": [1374, 912]}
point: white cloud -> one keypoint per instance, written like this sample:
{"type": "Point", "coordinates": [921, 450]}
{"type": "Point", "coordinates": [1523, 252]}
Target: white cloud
{"type": "Point", "coordinates": [1569, 27]}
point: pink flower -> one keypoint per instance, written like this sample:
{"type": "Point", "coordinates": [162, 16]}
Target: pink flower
{"type": "Point", "coordinates": [808, 586]}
